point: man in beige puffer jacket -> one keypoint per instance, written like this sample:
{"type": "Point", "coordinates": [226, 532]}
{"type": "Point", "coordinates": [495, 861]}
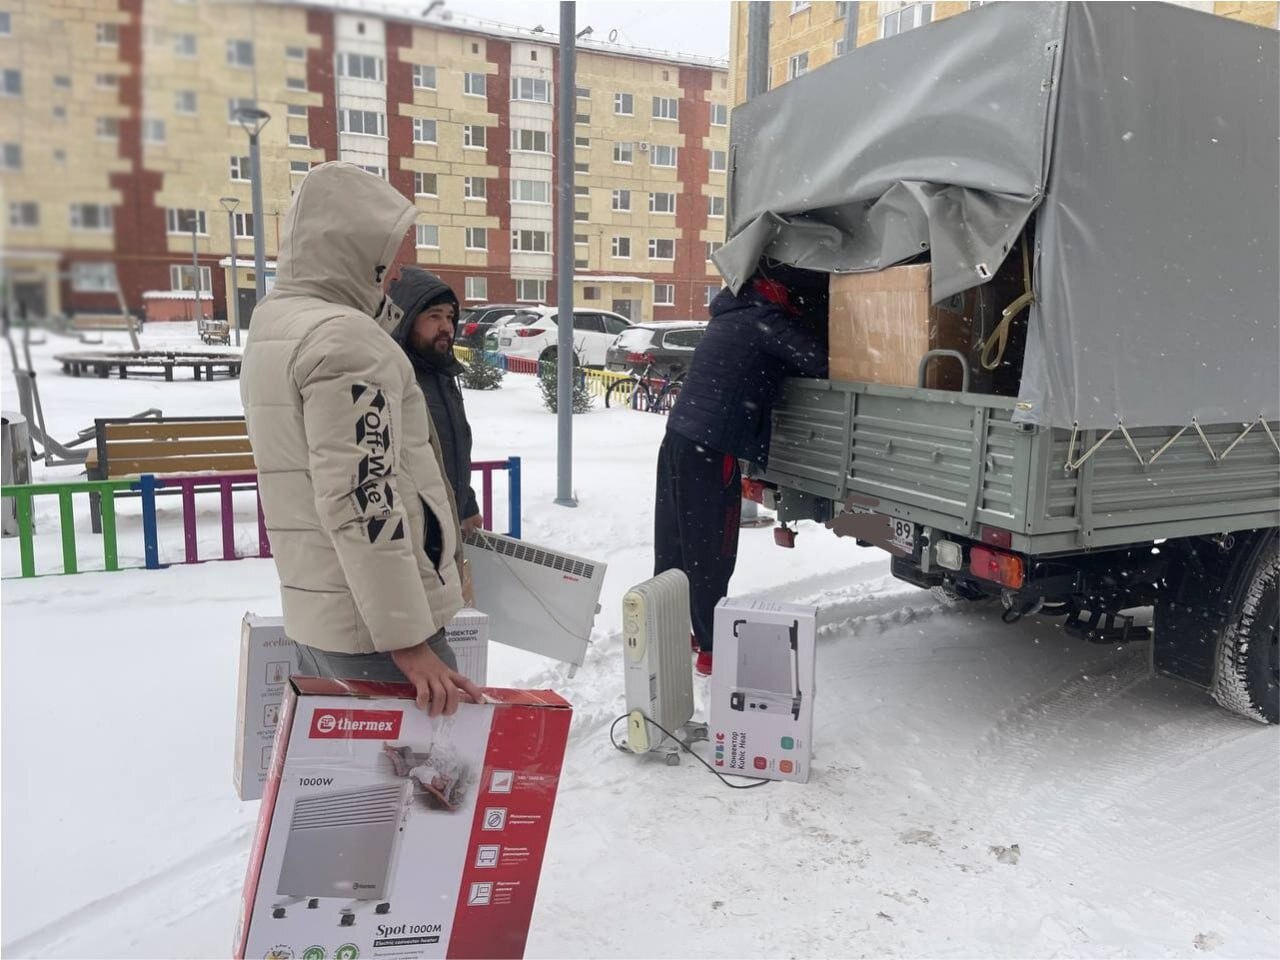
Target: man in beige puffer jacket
{"type": "Point", "coordinates": [362, 527]}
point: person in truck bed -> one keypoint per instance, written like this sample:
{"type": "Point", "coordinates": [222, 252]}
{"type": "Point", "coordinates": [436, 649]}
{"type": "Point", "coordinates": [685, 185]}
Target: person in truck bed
{"type": "Point", "coordinates": [771, 329]}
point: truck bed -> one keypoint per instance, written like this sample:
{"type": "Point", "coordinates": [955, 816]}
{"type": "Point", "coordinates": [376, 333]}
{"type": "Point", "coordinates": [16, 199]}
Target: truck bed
{"type": "Point", "coordinates": [952, 461]}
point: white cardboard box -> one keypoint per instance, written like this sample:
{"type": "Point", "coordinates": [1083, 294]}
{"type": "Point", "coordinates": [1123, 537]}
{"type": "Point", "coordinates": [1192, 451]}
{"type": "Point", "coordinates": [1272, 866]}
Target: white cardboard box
{"type": "Point", "coordinates": [267, 661]}
{"type": "Point", "coordinates": [762, 688]}
{"type": "Point", "coordinates": [384, 832]}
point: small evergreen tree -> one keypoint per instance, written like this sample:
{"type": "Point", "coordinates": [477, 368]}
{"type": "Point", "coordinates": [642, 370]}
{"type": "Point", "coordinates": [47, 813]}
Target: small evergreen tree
{"type": "Point", "coordinates": [481, 373]}
{"type": "Point", "coordinates": [548, 377]}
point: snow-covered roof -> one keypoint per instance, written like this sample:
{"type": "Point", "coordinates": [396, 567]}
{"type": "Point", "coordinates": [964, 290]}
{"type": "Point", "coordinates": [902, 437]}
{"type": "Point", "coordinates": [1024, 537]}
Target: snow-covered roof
{"type": "Point", "coordinates": [609, 279]}
{"type": "Point", "coordinates": [245, 262]}
{"type": "Point", "coordinates": [176, 295]}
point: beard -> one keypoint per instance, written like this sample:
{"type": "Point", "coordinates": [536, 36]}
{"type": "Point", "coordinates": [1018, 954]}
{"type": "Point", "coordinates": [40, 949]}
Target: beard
{"type": "Point", "coordinates": [442, 343]}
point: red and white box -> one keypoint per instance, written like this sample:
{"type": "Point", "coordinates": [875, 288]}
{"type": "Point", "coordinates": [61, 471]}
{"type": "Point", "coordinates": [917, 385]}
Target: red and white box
{"type": "Point", "coordinates": [762, 686]}
{"type": "Point", "coordinates": [384, 832]}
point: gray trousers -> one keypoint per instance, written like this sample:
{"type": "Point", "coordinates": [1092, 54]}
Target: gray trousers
{"type": "Point", "coordinates": [312, 662]}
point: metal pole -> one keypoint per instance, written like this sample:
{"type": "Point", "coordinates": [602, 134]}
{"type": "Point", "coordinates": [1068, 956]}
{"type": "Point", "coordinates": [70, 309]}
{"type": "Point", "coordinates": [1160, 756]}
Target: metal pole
{"type": "Point", "coordinates": [195, 263]}
{"type": "Point", "coordinates": [564, 259]}
{"type": "Point", "coordinates": [757, 48]}
{"type": "Point", "coordinates": [850, 26]}
{"type": "Point", "coordinates": [233, 289]}
{"type": "Point", "coordinates": [259, 221]}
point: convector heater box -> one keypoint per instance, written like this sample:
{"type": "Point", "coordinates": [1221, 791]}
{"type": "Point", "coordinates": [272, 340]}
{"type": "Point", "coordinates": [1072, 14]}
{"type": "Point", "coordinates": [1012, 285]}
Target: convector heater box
{"type": "Point", "coordinates": [762, 681]}
{"type": "Point", "coordinates": [355, 853]}
{"type": "Point", "coordinates": [656, 657]}
{"type": "Point", "coordinates": [537, 599]}
{"type": "Point", "coordinates": [267, 660]}
{"type": "Point", "coordinates": [344, 843]}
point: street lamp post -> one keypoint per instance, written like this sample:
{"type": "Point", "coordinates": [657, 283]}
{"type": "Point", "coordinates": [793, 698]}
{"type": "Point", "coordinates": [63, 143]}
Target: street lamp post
{"type": "Point", "coordinates": [253, 119]}
{"type": "Point", "coordinates": [229, 204]}
{"type": "Point", "coordinates": [195, 263]}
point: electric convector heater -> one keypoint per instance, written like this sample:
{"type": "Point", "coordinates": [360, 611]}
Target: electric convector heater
{"type": "Point", "coordinates": [768, 668]}
{"type": "Point", "coordinates": [659, 681]}
{"type": "Point", "coordinates": [344, 843]}
{"type": "Point", "coordinates": [537, 599]}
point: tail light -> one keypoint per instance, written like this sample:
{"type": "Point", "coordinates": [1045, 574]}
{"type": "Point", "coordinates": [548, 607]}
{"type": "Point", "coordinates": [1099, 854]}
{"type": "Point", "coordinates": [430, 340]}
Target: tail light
{"type": "Point", "coordinates": [995, 537]}
{"type": "Point", "coordinates": [640, 358]}
{"type": "Point", "coordinates": [753, 490]}
{"type": "Point", "coordinates": [470, 329]}
{"type": "Point", "coordinates": [997, 566]}
{"type": "Point", "coordinates": [528, 332]}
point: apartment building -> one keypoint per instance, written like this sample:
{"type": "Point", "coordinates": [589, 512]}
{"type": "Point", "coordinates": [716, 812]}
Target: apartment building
{"type": "Point", "coordinates": [805, 35]}
{"type": "Point", "coordinates": [121, 150]}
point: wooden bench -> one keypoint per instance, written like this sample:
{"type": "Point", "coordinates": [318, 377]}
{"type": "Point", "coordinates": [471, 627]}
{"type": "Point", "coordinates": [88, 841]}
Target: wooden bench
{"type": "Point", "coordinates": [100, 321]}
{"type": "Point", "coordinates": [166, 445]}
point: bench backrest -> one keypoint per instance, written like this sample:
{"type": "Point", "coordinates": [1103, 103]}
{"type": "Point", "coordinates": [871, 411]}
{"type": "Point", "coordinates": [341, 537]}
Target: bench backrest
{"type": "Point", "coordinates": [169, 445]}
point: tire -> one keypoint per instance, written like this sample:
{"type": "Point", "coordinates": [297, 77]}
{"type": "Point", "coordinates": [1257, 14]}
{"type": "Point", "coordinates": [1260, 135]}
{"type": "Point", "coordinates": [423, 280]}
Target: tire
{"type": "Point", "coordinates": [621, 392]}
{"type": "Point", "coordinates": [667, 399]}
{"type": "Point", "coordinates": [1247, 675]}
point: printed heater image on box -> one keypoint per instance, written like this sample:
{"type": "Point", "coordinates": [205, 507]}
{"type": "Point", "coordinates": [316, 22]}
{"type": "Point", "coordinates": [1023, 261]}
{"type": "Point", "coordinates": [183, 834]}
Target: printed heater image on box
{"type": "Point", "coordinates": [768, 678]}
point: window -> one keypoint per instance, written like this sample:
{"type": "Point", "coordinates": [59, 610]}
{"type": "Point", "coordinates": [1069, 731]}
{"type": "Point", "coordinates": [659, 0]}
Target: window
{"type": "Point", "coordinates": [581, 216]}
{"type": "Point", "coordinates": [622, 199]}
{"type": "Point", "coordinates": [240, 53]}
{"type": "Point", "coordinates": [475, 48]}
{"type": "Point", "coordinates": [621, 248]}
{"type": "Point", "coordinates": [62, 82]}
{"type": "Point", "coordinates": [662, 155]}
{"type": "Point", "coordinates": [59, 155]}
{"type": "Point", "coordinates": [296, 83]}
{"type": "Point", "coordinates": [584, 142]}
{"type": "Point", "coordinates": [93, 277]}
{"type": "Point", "coordinates": [662, 203]}
{"type": "Point", "coordinates": [530, 88]}
{"type": "Point", "coordinates": [11, 157]}
{"type": "Point", "coordinates": [477, 288]}
{"type": "Point", "coordinates": [6, 27]}
{"type": "Point", "coordinates": [474, 136]}
{"type": "Point", "coordinates": [579, 238]}
{"type": "Point", "coordinates": [623, 152]}
{"type": "Point", "coordinates": [590, 293]}
{"type": "Point", "coordinates": [624, 104]}
{"type": "Point", "coordinates": [181, 220]}
{"type": "Point", "coordinates": [530, 241]}
{"type": "Point", "coordinates": [299, 140]}
{"type": "Point", "coordinates": [359, 66]}
{"type": "Point", "coordinates": [425, 184]}
{"type": "Point", "coordinates": [91, 216]}
{"type": "Point", "coordinates": [299, 166]}
{"type": "Point", "coordinates": [712, 247]}
{"type": "Point", "coordinates": [297, 110]}
{"type": "Point", "coordinates": [662, 249]}
{"type": "Point", "coordinates": [798, 65]}
{"type": "Point", "coordinates": [106, 81]}
{"type": "Point", "coordinates": [664, 294]}
{"type": "Point", "coordinates": [475, 85]}
{"type": "Point", "coordinates": [59, 112]}
{"type": "Point", "coordinates": [374, 169]}
{"type": "Point", "coordinates": [475, 188]}
{"type": "Point", "coordinates": [240, 168]}
{"type": "Point", "coordinates": [236, 104]}
{"type": "Point", "coordinates": [715, 206]}
{"type": "Point", "coordinates": [424, 77]}
{"type": "Point", "coordinates": [184, 101]}
{"type": "Point", "coordinates": [477, 238]}
{"type": "Point", "coordinates": [907, 18]}
{"type": "Point", "coordinates": [108, 128]}
{"type": "Point", "coordinates": [243, 225]}
{"type": "Point", "coordinates": [531, 291]}
{"type": "Point", "coordinates": [109, 34]}
{"type": "Point", "coordinates": [424, 130]}
{"type": "Point", "coordinates": [719, 115]}
{"type": "Point", "coordinates": [367, 122]}
{"type": "Point", "coordinates": [581, 191]}
{"type": "Point", "coordinates": [427, 236]}
{"type": "Point", "coordinates": [295, 53]}
{"type": "Point", "coordinates": [581, 264]}
{"type": "Point", "coordinates": [185, 45]}
{"type": "Point", "coordinates": [582, 93]}
{"type": "Point", "coordinates": [153, 130]}
{"type": "Point", "coordinates": [182, 276]}
{"type": "Point", "coordinates": [666, 108]}
{"type": "Point", "coordinates": [12, 83]}
{"type": "Point", "coordinates": [837, 47]}
{"type": "Point", "coordinates": [582, 168]}
{"type": "Point", "coordinates": [24, 215]}
{"type": "Point", "coordinates": [582, 119]}
{"type": "Point", "coordinates": [529, 141]}
{"type": "Point", "coordinates": [799, 6]}
{"type": "Point", "coordinates": [711, 292]}
{"type": "Point", "coordinates": [719, 161]}
{"type": "Point", "coordinates": [530, 191]}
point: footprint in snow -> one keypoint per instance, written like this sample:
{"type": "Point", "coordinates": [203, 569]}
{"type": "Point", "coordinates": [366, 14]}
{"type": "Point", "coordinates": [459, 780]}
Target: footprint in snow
{"type": "Point", "coordinates": [925, 838]}
{"type": "Point", "coordinates": [1207, 941]}
{"type": "Point", "coordinates": [1008, 854]}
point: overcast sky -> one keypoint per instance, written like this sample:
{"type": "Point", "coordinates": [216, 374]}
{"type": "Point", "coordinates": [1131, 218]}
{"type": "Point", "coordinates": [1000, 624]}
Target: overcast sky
{"type": "Point", "coordinates": [683, 26]}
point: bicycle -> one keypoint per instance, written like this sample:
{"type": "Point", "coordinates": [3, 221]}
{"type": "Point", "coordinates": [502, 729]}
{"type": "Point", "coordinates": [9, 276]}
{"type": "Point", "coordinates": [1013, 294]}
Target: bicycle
{"type": "Point", "coordinates": [647, 392]}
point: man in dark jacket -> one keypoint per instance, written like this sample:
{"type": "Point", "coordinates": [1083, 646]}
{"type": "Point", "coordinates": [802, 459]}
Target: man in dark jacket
{"type": "Point", "coordinates": [426, 333]}
{"type": "Point", "coordinates": [769, 330]}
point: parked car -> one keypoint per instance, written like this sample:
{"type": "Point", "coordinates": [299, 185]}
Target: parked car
{"type": "Point", "coordinates": [476, 322]}
{"type": "Point", "coordinates": [667, 346]}
{"type": "Point", "coordinates": [532, 334]}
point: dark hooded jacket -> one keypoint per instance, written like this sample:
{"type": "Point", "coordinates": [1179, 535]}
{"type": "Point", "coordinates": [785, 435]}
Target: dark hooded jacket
{"type": "Point", "coordinates": [414, 291]}
{"type": "Point", "coordinates": [755, 339]}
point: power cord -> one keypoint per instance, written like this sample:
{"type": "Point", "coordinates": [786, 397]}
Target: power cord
{"type": "Point", "coordinates": [687, 749]}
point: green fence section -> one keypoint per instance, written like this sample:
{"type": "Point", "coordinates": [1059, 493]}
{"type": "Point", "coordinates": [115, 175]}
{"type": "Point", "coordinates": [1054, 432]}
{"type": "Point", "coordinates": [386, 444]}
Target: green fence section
{"type": "Point", "coordinates": [24, 493]}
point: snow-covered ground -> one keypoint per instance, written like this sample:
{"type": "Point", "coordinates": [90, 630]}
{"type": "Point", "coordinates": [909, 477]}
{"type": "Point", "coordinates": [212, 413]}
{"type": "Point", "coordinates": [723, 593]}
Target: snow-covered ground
{"type": "Point", "coordinates": [979, 789]}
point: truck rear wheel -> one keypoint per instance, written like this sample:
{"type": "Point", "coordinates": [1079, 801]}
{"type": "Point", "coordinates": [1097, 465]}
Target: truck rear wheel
{"type": "Point", "coordinates": [1247, 676]}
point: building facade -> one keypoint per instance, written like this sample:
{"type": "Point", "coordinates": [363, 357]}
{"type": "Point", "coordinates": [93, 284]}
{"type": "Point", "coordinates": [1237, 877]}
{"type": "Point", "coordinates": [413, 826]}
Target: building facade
{"type": "Point", "coordinates": [122, 151]}
{"type": "Point", "coordinates": [805, 35]}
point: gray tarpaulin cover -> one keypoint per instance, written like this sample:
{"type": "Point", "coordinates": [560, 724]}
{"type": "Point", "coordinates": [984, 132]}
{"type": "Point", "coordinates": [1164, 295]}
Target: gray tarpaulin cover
{"type": "Point", "coordinates": [1146, 136]}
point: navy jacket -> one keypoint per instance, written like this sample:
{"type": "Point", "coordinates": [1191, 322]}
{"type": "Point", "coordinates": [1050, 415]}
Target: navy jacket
{"type": "Point", "coordinates": [437, 374]}
{"type": "Point", "coordinates": [736, 375]}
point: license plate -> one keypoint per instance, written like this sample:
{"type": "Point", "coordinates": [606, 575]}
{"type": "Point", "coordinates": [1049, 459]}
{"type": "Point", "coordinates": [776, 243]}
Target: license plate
{"type": "Point", "coordinates": [902, 533]}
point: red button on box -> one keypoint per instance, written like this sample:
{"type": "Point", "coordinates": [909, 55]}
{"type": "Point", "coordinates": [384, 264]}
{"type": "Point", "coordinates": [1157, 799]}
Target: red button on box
{"type": "Point", "coordinates": [761, 763]}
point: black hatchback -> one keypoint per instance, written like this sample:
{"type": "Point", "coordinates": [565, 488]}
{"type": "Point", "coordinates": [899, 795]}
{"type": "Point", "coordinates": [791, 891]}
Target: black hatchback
{"type": "Point", "coordinates": [667, 346]}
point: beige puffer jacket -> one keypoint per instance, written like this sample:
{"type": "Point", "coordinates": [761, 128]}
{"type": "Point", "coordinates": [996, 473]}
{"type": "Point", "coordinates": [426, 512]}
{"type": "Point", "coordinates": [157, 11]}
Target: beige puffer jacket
{"type": "Point", "coordinates": [361, 524]}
